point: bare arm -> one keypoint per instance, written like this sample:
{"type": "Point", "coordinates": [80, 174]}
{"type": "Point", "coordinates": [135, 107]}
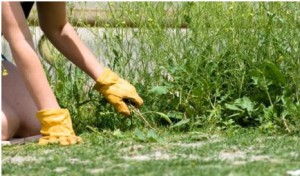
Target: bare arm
{"type": "Point", "coordinates": [16, 32]}
{"type": "Point", "coordinates": [53, 22]}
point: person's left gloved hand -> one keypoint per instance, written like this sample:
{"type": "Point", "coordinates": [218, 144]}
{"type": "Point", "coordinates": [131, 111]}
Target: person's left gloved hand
{"type": "Point", "coordinates": [118, 91]}
{"type": "Point", "coordinates": [57, 127]}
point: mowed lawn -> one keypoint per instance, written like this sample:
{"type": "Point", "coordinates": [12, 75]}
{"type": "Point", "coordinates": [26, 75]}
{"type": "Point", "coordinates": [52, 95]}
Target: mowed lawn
{"type": "Point", "coordinates": [219, 94]}
{"type": "Point", "coordinates": [239, 152]}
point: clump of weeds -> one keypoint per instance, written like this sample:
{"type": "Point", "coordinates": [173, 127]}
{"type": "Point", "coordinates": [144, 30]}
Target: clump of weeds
{"type": "Point", "coordinates": [215, 65]}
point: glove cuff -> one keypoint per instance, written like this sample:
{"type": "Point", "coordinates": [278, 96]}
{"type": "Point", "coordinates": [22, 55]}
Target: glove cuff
{"type": "Point", "coordinates": [51, 112]}
{"type": "Point", "coordinates": [55, 122]}
{"type": "Point", "coordinates": [106, 79]}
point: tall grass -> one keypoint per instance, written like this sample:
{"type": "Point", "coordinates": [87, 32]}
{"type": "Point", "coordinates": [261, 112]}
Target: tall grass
{"type": "Point", "coordinates": [234, 64]}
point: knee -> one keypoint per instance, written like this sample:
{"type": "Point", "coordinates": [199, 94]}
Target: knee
{"type": "Point", "coordinates": [6, 136]}
{"type": "Point", "coordinates": [9, 127]}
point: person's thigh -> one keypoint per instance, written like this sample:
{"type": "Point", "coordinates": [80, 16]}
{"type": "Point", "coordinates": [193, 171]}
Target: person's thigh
{"type": "Point", "coordinates": [9, 121]}
{"type": "Point", "coordinates": [15, 96]}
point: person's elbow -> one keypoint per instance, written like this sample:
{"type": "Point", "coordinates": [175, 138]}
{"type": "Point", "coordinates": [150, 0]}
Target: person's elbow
{"type": "Point", "coordinates": [54, 31]}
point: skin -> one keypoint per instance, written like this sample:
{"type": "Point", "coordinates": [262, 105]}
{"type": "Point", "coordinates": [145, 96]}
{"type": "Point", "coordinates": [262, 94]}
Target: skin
{"type": "Point", "coordinates": [18, 108]}
{"type": "Point", "coordinates": [30, 73]}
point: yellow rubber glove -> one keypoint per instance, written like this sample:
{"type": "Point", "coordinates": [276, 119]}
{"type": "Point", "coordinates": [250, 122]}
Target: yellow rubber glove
{"type": "Point", "coordinates": [57, 127]}
{"type": "Point", "coordinates": [117, 91]}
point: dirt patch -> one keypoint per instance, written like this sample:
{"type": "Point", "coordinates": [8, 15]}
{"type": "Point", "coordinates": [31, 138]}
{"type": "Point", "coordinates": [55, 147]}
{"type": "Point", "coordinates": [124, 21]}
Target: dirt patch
{"type": "Point", "coordinates": [265, 158]}
{"type": "Point", "coordinates": [293, 172]}
{"type": "Point", "coordinates": [96, 171]}
{"type": "Point", "coordinates": [160, 152]}
{"type": "Point", "coordinates": [197, 144]}
{"type": "Point", "coordinates": [47, 151]}
{"type": "Point", "coordinates": [160, 155]}
{"type": "Point", "coordinates": [189, 145]}
{"type": "Point", "coordinates": [20, 160]}
{"type": "Point", "coordinates": [157, 155]}
{"type": "Point", "coordinates": [238, 157]}
{"type": "Point", "coordinates": [60, 169]}
{"type": "Point", "coordinates": [232, 155]}
{"type": "Point", "coordinates": [78, 161]}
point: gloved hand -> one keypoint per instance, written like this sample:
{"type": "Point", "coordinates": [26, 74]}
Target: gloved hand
{"type": "Point", "coordinates": [117, 91]}
{"type": "Point", "coordinates": [57, 127]}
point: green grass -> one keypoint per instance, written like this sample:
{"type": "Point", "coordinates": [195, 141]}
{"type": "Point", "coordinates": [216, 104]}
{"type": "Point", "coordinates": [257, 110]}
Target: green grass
{"type": "Point", "coordinates": [222, 94]}
{"type": "Point", "coordinates": [239, 152]}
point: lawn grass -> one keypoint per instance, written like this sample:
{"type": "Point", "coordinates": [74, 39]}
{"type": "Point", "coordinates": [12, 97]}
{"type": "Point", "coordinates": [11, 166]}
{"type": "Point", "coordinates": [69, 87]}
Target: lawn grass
{"type": "Point", "coordinates": [222, 94]}
{"type": "Point", "coordinates": [239, 152]}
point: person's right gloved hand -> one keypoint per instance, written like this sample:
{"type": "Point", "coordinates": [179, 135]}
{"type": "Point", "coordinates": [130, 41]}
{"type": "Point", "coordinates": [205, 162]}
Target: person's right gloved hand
{"type": "Point", "coordinates": [56, 127]}
{"type": "Point", "coordinates": [118, 91]}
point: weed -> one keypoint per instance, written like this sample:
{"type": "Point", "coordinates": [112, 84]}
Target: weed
{"type": "Point", "coordinates": [233, 64]}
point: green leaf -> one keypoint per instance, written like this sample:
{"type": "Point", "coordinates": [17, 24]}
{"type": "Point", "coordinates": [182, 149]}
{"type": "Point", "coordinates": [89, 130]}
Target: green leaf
{"type": "Point", "coordinates": [245, 103]}
{"type": "Point", "coordinates": [152, 136]}
{"type": "Point", "coordinates": [175, 115]}
{"type": "Point", "coordinates": [269, 113]}
{"type": "Point", "coordinates": [139, 135]}
{"type": "Point", "coordinates": [273, 73]}
{"type": "Point", "coordinates": [164, 116]}
{"type": "Point", "coordinates": [181, 123]}
{"type": "Point", "coordinates": [233, 107]}
{"type": "Point", "coordinates": [256, 80]}
{"type": "Point", "coordinates": [117, 133]}
{"type": "Point", "coordinates": [159, 90]}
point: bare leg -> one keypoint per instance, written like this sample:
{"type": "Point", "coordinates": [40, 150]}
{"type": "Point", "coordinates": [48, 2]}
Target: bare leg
{"type": "Point", "coordinates": [9, 121]}
{"type": "Point", "coordinates": [18, 109]}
